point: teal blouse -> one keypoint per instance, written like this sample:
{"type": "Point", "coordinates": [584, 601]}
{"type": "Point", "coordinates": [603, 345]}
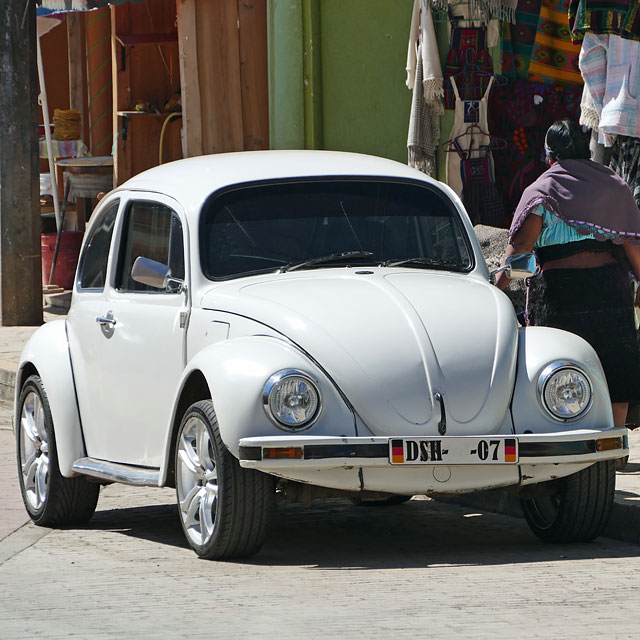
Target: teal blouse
{"type": "Point", "coordinates": [556, 231]}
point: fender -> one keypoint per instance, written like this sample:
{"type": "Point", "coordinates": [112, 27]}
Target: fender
{"type": "Point", "coordinates": [539, 347]}
{"type": "Point", "coordinates": [236, 371]}
{"type": "Point", "coordinates": [48, 351]}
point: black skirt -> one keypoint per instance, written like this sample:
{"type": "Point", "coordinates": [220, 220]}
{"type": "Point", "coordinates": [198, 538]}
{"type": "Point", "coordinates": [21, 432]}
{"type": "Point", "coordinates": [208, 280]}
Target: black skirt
{"type": "Point", "coordinates": [597, 305]}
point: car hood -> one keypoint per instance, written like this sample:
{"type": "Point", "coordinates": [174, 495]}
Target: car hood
{"type": "Point", "coordinates": [393, 339]}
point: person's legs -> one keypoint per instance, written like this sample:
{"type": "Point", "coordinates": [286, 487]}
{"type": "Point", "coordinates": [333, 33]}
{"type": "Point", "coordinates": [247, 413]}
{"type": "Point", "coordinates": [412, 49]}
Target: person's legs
{"type": "Point", "coordinates": [619, 413]}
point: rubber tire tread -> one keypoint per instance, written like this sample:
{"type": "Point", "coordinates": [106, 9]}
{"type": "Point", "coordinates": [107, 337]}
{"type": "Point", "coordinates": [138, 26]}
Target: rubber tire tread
{"type": "Point", "coordinates": [246, 499]}
{"type": "Point", "coordinates": [70, 501]}
{"type": "Point", "coordinates": [585, 502]}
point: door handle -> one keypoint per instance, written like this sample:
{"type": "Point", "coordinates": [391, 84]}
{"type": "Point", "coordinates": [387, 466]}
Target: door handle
{"type": "Point", "coordinates": [106, 321]}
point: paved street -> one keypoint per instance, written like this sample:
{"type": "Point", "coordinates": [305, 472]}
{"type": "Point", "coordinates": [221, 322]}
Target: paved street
{"type": "Point", "coordinates": [421, 569]}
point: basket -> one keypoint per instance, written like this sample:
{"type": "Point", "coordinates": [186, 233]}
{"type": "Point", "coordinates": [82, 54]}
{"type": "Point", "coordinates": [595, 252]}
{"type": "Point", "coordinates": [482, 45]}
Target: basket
{"type": "Point", "coordinates": [67, 124]}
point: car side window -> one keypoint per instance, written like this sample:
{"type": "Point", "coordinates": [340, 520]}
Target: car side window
{"type": "Point", "coordinates": [151, 230]}
{"type": "Point", "coordinates": [92, 273]}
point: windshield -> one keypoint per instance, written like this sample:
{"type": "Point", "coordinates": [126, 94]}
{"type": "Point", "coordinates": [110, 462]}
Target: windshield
{"type": "Point", "coordinates": [330, 223]}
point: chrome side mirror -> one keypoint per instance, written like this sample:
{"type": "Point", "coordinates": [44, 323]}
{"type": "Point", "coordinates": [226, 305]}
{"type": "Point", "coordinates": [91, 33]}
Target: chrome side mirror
{"type": "Point", "coordinates": [155, 274]}
{"type": "Point", "coordinates": [521, 265]}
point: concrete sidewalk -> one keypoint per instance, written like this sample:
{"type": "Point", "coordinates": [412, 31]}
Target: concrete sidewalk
{"type": "Point", "coordinates": [624, 524]}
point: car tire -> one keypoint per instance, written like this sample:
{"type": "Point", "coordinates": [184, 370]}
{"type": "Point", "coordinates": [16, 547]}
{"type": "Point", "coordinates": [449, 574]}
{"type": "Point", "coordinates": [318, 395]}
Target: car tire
{"type": "Point", "coordinates": [49, 497]}
{"type": "Point", "coordinates": [577, 508]}
{"type": "Point", "coordinates": [224, 509]}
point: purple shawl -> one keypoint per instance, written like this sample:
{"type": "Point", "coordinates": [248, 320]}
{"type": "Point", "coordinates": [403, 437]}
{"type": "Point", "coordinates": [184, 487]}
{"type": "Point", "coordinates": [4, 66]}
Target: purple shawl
{"type": "Point", "coordinates": [587, 196]}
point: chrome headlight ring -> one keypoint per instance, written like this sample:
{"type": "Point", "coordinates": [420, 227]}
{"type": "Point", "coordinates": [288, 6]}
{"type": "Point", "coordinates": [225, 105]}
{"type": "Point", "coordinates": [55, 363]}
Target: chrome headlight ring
{"type": "Point", "coordinates": [582, 393]}
{"type": "Point", "coordinates": [291, 399]}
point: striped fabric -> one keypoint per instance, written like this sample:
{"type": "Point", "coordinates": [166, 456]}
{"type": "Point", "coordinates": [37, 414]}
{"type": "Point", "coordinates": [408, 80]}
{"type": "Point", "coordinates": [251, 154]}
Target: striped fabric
{"type": "Point", "coordinates": [554, 58]}
{"type": "Point", "coordinates": [616, 17]}
{"type": "Point", "coordinates": [610, 66]}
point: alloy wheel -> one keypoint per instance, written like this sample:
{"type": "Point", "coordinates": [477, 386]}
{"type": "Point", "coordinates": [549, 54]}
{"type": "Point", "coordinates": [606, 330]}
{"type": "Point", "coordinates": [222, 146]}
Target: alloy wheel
{"type": "Point", "coordinates": [197, 481]}
{"type": "Point", "coordinates": [34, 451]}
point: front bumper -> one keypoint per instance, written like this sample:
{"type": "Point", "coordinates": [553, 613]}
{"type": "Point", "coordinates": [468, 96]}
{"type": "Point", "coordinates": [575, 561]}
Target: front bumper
{"type": "Point", "coordinates": [541, 457]}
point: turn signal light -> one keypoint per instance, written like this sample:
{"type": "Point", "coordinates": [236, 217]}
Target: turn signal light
{"type": "Point", "coordinates": [608, 444]}
{"type": "Point", "coordinates": [280, 453]}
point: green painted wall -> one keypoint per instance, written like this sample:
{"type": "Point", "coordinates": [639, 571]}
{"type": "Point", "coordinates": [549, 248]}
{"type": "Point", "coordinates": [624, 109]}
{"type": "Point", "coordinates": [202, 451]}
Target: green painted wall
{"type": "Point", "coordinates": [350, 94]}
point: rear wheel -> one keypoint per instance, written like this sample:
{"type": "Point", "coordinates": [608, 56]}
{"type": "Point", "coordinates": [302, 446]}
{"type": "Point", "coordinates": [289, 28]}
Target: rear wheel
{"type": "Point", "coordinates": [49, 497]}
{"type": "Point", "coordinates": [224, 509]}
{"type": "Point", "coordinates": [577, 508]}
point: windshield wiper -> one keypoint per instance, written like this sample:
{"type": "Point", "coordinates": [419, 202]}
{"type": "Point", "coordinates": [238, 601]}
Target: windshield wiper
{"type": "Point", "coordinates": [333, 257]}
{"type": "Point", "coordinates": [430, 263]}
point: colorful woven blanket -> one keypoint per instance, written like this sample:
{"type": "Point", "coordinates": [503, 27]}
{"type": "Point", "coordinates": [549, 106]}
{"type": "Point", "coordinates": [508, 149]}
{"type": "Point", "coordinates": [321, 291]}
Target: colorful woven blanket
{"type": "Point", "coordinates": [555, 57]}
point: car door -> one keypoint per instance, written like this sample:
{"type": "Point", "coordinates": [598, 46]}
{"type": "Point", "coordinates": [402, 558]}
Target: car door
{"type": "Point", "coordinates": [128, 342]}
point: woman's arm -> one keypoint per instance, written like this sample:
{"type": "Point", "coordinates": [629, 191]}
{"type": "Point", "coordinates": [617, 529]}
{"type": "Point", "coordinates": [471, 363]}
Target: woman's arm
{"type": "Point", "coordinates": [633, 256]}
{"type": "Point", "coordinates": [523, 242]}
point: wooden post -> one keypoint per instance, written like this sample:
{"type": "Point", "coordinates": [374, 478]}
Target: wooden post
{"type": "Point", "coordinates": [189, 80]}
{"type": "Point", "coordinates": [76, 39]}
{"type": "Point", "coordinates": [20, 265]}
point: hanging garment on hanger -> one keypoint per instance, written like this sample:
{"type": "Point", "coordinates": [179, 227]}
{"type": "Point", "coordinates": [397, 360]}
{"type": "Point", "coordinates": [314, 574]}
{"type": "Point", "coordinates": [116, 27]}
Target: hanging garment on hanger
{"type": "Point", "coordinates": [467, 113]}
{"type": "Point", "coordinates": [469, 63]}
{"type": "Point", "coordinates": [424, 126]}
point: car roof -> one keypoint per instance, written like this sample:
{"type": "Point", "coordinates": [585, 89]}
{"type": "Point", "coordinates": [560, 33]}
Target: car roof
{"type": "Point", "coordinates": [192, 180]}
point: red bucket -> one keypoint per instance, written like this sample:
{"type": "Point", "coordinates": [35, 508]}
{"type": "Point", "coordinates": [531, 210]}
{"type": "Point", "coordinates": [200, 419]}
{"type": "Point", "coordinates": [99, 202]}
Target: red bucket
{"type": "Point", "coordinates": [67, 261]}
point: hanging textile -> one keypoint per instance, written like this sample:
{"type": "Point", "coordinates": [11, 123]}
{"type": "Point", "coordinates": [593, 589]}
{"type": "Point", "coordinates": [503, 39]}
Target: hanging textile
{"type": "Point", "coordinates": [424, 77]}
{"type": "Point", "coordinates": [625, 161]}
{"type": "Point", "coordinates": [424, 126]}
{"type": "Point", "coordinates": [517, 39]}
{"type": "Point", "coordinates": [521, 113]}
{"type": "Point", "coordinates": [610, 66]}
{"type": "Point", "coordinates": [615, 17]}
{"type": "Point", "coordinates": [469, 134]}
{"type": "Point", "coordinates": [498, 9]}
{"type": "Point", "coordinates": [423, 33]}
{"type": "Point", "coordinates": [554, 57]}
{"type": "Point", "coordinates": [469, 64]}
{"type": "Point", "coordinates": [480, 196]}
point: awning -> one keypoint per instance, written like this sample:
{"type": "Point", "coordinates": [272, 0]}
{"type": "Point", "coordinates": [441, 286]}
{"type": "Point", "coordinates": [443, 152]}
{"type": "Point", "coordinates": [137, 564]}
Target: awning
{"type": "Point", "coordinates": [79, 5]}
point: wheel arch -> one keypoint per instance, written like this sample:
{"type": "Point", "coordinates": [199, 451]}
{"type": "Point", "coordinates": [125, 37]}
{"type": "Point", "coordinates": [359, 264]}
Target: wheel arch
{"type": "Point", "coordinates": [194, 389]}
{"type": "Point", "coordinates": [46, 354]}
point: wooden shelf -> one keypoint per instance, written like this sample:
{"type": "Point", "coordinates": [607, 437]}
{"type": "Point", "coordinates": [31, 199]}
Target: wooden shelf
{"type": "Point", "coordinates": [130, 39]}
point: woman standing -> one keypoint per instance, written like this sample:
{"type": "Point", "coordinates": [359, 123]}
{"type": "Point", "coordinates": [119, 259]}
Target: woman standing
{"type": "Point", "coordinates": [581, 220]}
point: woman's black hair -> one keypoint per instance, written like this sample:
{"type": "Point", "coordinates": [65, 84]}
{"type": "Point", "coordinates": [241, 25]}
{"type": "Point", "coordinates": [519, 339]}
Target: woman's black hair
{"type": "Point", "coordinates": [565, 140]}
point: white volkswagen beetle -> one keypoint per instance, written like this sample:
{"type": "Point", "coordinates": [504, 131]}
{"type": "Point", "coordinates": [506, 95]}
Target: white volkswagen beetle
{"type": "Point", "coordinates": [248, 321]}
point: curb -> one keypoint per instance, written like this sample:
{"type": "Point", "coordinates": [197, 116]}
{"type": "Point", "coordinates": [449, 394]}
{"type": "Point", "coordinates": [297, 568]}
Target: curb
{"type": "Point", "coordinates": [624, 524]}
{"type": "Point", "coordinates": [8, 372]}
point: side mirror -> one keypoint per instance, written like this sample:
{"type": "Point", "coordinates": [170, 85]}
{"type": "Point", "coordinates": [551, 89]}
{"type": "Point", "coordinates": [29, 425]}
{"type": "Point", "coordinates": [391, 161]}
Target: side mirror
{"type": "Point", "coordinates": [522, 265]}
{"type": "Point", "coordinates": [155, 274]}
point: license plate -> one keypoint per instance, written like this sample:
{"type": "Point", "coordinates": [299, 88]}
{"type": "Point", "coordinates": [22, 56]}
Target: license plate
{"type": "Point", "coordinates": [453, 450]}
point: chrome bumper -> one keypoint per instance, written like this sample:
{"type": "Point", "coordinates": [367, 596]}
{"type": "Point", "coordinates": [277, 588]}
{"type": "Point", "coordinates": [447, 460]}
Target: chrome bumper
{"type": "Point", "coordinates": [320, 452]}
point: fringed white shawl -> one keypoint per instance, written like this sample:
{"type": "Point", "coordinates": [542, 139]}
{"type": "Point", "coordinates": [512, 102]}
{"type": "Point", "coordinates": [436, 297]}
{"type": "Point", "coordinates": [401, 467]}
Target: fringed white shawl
{"type": "Point", "coordinates": [423, 32]}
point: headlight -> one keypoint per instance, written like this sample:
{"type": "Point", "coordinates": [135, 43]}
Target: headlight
{"type": "Point", "coordinates": [291, 400]}
{"type": "Point", "coordinates": [565, 391]}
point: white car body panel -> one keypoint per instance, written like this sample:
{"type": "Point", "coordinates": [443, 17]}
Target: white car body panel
{"type": "Point", "coordinates": [48, 351]}
{"type": "Point", "coordinates": [336, 315]}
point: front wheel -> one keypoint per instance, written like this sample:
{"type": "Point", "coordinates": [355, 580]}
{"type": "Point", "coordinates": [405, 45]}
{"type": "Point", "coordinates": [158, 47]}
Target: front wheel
{"type": "Point", "coordinates": [577, 508]}
{"type": "Point", "coordinates": [49, 497]}
{"type": "Point", "coordinates": [224, 509]}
